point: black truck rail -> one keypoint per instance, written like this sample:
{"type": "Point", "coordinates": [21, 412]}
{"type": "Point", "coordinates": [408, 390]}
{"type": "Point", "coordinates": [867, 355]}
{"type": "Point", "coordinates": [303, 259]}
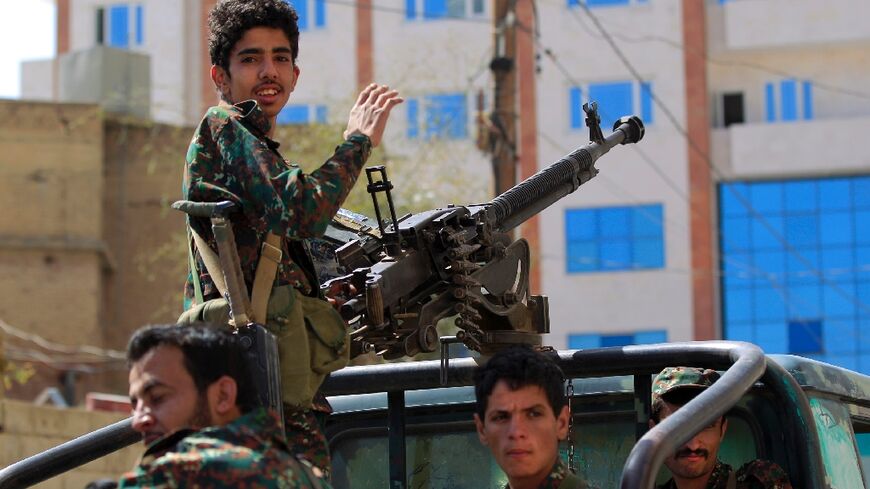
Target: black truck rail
{"type": "Point", "coordinates": [744, 365]}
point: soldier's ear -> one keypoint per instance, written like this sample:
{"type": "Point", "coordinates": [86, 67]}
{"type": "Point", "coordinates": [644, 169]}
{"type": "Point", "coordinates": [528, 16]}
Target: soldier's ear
{"type": "Point", "coordinates": [222, 395]}
{"type": "Point", "coordinates": [478, 423]}
{"type": "Point", "coordinates": [221, 80]}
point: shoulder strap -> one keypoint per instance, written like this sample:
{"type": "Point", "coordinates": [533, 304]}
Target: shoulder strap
{"type": "Point", "coordinates": [191, 266]}
{"type": "Point", "coordinates": [732, 480]}
{"type": "Point", "coordinates": [211, 261]}
{"type": "Point", "coordinates": [573, 481]}
{"type": "Point", "coordinates": [264, 278]}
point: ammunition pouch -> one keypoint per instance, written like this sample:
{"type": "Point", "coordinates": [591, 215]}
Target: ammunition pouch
{"type": "Point", "coordinates": [312, 338]}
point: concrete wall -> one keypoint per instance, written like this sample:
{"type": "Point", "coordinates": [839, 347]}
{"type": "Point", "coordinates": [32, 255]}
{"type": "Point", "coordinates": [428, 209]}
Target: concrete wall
{"type": "Point", "coordinates": [596, 302]}
{"type": "Point", "coordinates": [26, 430]}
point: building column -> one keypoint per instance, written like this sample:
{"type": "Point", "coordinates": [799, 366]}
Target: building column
{"type": "Point", "coordinates": [700, 183]}
{"type": "Point", "coordinates": [208, 92]}
{"type": "Point", "coordinates": [528, 128]}
{"type": "Point", "coordinates": [365, 71]}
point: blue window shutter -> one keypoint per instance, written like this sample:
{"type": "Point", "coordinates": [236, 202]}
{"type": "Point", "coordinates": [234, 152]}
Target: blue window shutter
{"type": "Point", "coordinates": [788, 99]}
{"type": "Point", "coordinates": [477, 7]}
{"type": "Point", "coordinates": [293, 114]}
{"type": "Point", "coordinates": [119, 25]}
{"type": "Point", "coordinates": [646, 113]}
{"type": "Point", "coordinates": [434, 9]}
{"type": "Point", "coordinates": [319, 13]}
{"type": "Point", "coordinates": [769, 102]}
{"type": "Point", "coordinates": [605, 3]}
{"type": "Point", "coordinates": [410, 9]}
{"type": "Point", "coordinates": [614, 100]}
{"type": "Point", "coordinates": [301, 7]}
{"type": "Point", "coordinates": [647, 337]}
{"type": "Point", "coordinates": [446, 116]}
{"type": "Point", "coordinates": [572, 3]}
{"type": "Point", "coordinates": [413, 107]}
{"type": "Point", "coordinates": [808, 100]}
{"type": "Point", "coordinates": [320, 114]}
{"type": "Point", "coordinates": [617, 340]}
{"type": "Point", "coordinates": [140, 25]}
{"type": "Point", "coordinates": [583, 341]}
{"type": "Point", "coordinates": [576, 103]}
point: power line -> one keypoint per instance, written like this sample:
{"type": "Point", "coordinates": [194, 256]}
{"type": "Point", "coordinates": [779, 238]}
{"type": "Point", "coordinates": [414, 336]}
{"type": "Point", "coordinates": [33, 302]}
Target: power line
{"type": "Point", "coordinates": [105, 354]}
{"type": "Point", "coordinates": [705, 157]}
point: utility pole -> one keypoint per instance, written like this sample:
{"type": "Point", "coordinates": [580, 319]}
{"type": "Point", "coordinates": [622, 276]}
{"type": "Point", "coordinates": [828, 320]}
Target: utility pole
{"type": "Point", "coordinates": [502, 122]}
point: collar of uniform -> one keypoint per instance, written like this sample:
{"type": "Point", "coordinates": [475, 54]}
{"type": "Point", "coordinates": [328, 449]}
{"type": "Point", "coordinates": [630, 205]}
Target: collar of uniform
{"type": "Point", "coordinates": [163, 445]}
{"type": "Point", "coordinates": [252, 116]}
{"type": "Point", "coordinates": [554, 478]}
{"type": "Point", "coordinates": [251, 429]}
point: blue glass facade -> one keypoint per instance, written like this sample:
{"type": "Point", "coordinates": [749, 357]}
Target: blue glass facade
{"type": "Point", "coordinates": [795, 263]}
{"type": "Point", "coordinates": [444, 116]}
{"type": "Point", "coordinates": [615, 99]}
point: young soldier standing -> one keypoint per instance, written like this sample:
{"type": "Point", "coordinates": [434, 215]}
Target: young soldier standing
{"type": "Point", "coordinates": [253, 46]}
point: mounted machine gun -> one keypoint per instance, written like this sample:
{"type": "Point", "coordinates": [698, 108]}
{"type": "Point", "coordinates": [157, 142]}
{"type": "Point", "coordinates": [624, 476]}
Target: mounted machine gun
{"type": "Point", "coordinates": [409, 273]}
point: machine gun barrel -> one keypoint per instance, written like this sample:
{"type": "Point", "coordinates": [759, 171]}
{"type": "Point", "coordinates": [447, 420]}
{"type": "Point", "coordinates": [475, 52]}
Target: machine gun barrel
{"type": "Point", "coordinates": [542, 189]}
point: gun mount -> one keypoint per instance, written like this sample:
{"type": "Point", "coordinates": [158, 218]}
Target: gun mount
{"type": "Point", "coordinates": [411, 272]}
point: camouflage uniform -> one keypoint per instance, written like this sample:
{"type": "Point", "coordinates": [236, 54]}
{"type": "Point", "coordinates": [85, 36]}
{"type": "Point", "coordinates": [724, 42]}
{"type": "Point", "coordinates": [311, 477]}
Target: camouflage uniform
{"type": "Point", "coordinates": [231, 158]}
{"type": "Point", "coordinates": [757, 474]}
{"type": "Point", "coordinates": [560, 477]}
{"type": "Point", "coordinates": [249, 452]}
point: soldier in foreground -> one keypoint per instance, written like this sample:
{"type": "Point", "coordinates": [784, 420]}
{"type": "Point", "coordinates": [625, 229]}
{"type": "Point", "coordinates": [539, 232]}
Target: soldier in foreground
{"type": "Point", "coordinates": [193, 402]}
{"type": "Point", "coordinates": [696, 464]}
{"type": "Point", "coordinates": [522, 413]}
{"type": "Point", "coordinates": [253, 46]}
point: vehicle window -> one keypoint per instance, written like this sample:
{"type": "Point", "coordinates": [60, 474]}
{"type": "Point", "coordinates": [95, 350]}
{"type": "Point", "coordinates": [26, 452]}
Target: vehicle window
{"type": "Point", "coordinates": [836, 442]}
{"type": "Point", "coordinates": [438, 460]}
{"type": "Point", "coordinates": [862, 441]}
{"type": "Point", "coordinates": [738, 447]}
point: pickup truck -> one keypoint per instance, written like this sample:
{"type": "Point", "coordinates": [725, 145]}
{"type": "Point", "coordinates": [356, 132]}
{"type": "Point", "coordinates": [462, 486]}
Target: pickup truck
{"type": "Point", "coordinates": [409, 424]}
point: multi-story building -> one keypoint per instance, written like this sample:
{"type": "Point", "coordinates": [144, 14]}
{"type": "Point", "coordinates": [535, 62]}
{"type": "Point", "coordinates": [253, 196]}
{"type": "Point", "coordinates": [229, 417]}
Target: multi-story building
{"type": "Point", "coordinates": [743, 214]}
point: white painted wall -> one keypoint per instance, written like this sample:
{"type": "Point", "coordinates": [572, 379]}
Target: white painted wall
{"type": "Point", "coordinates": [761, 24]}
{"type": "Point", "coordinates": [171, 28]}
{"type": "Point", "coordinates": [629, 301]}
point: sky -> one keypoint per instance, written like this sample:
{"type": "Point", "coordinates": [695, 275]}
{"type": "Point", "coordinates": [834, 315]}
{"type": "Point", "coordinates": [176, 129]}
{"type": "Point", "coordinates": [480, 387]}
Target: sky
{"type": "Point", "coordinates": [27, 32]}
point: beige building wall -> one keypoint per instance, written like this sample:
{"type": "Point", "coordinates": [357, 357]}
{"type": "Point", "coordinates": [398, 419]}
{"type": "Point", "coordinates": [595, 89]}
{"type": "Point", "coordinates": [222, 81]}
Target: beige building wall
{"type": "Point", "coordinates": [89, 249]}
{"type": "Point", "coordinates": [28, 430]}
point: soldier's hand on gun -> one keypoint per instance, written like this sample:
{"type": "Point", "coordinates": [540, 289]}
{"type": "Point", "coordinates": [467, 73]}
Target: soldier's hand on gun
{"type": "Point", "coordinates": [338, 291]}
{"type": "Point", "coordinates": [370, 112]}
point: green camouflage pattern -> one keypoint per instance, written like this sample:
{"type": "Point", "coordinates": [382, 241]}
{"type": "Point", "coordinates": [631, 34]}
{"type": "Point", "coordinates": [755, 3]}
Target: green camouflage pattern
{"type": "Point", "coordinates": [682, 378]}
{"type": "Point", "coordinates": [231, 158]}
{"type": "Point", "coordinates": [248, 452]}
{"type": "Point", "coordinates": [306, 439]}
{"type": "Point", "coordinates": [757, 474]}
{"type": "Point", "coordinates": [560, 477]}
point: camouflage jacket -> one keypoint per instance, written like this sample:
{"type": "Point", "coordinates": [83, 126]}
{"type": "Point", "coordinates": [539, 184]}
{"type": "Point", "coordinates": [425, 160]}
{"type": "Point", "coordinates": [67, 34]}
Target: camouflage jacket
{"type": "Point", "coordinates": [249, 452]}
{"type": "Point", "coordinates": [757, 474]}
{"type": "Point", "coordinates": [231, 158]}
{"type": "Point", "coordinates": [560, 477]}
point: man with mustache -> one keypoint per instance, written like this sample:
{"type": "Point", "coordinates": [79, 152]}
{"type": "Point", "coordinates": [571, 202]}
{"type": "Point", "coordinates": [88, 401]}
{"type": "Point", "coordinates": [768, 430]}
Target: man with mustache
{"type": "Point", "coordinates": [253, 45]}
{"type": "Point", "coordinates": [696, 465]}
{"type": "Point", "coordinates": [522, 413]}
{"type": "Point", "coordinates": [194, 405]}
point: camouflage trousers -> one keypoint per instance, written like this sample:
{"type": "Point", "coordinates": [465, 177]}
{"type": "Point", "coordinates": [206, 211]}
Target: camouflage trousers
{"type": "Point", "coordinates": [305, 436]}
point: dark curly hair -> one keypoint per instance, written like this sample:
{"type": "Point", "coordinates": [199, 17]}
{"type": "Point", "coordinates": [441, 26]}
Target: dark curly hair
{"type": "Point", "coordinates": [230, 19]}
{"type": "Point", "coordinates": [520, 367]}
{"type": "Point", "coordinates": [210, 352]}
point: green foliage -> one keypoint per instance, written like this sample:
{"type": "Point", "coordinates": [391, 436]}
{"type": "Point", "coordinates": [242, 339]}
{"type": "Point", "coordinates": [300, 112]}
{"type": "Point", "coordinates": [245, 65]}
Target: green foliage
{"type": "Point", "coordinates": [15, 373]}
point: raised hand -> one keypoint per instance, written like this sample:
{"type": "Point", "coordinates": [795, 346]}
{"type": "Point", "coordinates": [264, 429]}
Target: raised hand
{"type": "Point", "coordinates": [370, 112]}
